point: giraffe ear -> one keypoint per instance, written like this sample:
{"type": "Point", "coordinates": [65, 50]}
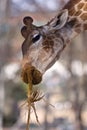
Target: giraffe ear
{"type": "Point", "coordinates": [59, 21]}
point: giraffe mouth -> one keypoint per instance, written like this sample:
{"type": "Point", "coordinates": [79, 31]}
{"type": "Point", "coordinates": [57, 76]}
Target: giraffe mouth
{"type": "Point", "coordinates": [31, 71]}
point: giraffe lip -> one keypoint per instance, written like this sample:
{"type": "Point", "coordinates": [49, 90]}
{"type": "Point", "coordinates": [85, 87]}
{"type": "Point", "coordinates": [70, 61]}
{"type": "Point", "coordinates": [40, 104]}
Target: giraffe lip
{"type": "Point", "coordinates": [35, 74]}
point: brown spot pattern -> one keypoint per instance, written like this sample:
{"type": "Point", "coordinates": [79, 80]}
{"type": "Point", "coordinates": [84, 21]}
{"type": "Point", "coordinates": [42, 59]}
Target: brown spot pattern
{"type": "Point", "coordinates": [84, 16]}
{"type": "Point", "coordinates": [78, 13]}
{"type": "Point", "coordinates": [80, 6]}
{"type": "Point", "coordinates": [85, 7]}
{"type": "Point", "coordinates": [78, 25]}
{"type": "Point", "coordinates": [78, 30]}
{"type": "Point", "coordinates": [85, 26]}
{"type": "Point", "coordinates": [72, 11]}
{"type": "Point", "coordinates": [48, 43]}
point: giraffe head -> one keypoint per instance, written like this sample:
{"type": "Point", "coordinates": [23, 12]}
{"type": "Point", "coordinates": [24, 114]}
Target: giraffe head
{"type": "Point", "coordinates": [42, 45]}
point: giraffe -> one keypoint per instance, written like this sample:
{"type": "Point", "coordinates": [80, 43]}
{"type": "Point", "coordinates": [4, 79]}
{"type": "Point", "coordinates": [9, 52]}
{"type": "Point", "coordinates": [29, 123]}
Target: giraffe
{"type": "Point", "coordinates": [43, 45]}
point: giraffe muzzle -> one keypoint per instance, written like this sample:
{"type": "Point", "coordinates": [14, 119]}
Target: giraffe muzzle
{"type": "Point", "coordinates": [31, 71]}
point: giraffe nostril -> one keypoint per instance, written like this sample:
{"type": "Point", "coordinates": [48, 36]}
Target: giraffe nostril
{"type": "Point", "coordinates": [29, 70]}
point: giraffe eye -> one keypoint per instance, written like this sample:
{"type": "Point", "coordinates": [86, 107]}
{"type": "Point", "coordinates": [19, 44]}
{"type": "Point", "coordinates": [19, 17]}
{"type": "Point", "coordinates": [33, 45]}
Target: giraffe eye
{"type": "Point", "coordinates": [35, 38]}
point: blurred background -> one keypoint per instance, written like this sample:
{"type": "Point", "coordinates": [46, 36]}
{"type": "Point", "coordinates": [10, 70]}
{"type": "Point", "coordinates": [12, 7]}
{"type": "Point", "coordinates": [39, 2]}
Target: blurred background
{"type": "Point", "coordinates": [64, 85]}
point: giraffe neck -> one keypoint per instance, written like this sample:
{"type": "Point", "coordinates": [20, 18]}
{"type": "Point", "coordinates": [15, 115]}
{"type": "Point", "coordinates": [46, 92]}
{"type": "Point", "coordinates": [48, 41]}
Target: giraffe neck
{"type": "Point", "coordinates": [77, 21]}
{"type": "Point", "coordinates": [78, 15]}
